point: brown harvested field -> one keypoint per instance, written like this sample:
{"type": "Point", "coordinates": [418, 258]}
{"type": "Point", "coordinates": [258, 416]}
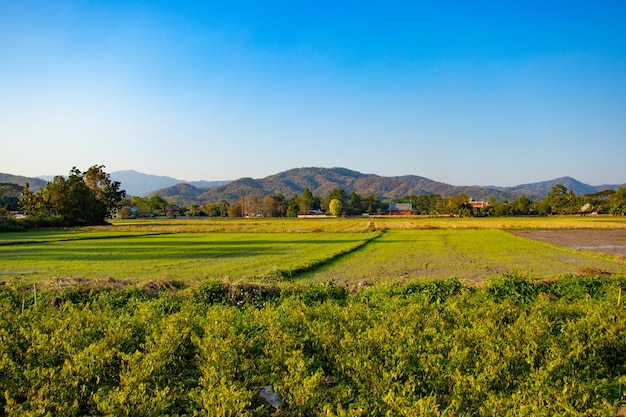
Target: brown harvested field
{"type": "Point", "coordinates": [608, 242]}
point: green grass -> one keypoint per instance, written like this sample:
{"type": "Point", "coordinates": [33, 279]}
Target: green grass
{"type": "Point", "coordinates": [343, 250]}
{"type": "Point", "coordinates": [260, 225]}
{"type": "Point", "coordinates": [178, 256]}
{"type": "Point", "coordinates": [467, 254]}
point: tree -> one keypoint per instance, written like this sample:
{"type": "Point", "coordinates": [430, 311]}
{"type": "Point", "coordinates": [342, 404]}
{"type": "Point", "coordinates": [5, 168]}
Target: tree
{"type": "Point", "coordinates": [371, 204]}
{"type": "Point", "coordinates": [235, 210]}
{"type": "Point", "coordinates": [83, 198]}
{"type": "Point", "coordinates": [556, 201]}
{"type": "Point", "coordinates": [274, 206]}
{"type": "Point", "coordinates": [105, 191]}
{"type": "Point", "coordinates": [306, 201]}
{"type": "Point", "coordinates": [618, 202]}
{"type": "Point", "coordinates": [355, 204]}
{"type": "Point", "coordinates": [459, 204]}
{"type": "Point", "coordinates": [335, 206]}
{"type": "Point", "coordinates": [293, 206]}
{"type": "Point", "coordinates": [337, 193]}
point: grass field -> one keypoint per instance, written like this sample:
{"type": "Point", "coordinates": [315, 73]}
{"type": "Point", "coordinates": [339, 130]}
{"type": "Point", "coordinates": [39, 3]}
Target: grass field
{"type": "Point", "coordinates": [176, 256]}
{"type": "Point", "coordinates": [467, 254]}
{"type": "Point", "coordinates": [302, 250]}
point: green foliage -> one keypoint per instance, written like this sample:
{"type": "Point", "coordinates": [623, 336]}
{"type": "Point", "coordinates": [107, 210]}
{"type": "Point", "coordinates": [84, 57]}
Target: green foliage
{"type": "Point", "coordinates": [512, 287]}
{"type": "Point", "coordinates": [335, 206]}
{"type": "Point", "coordinates": [618, 202]}
{"type": "Point", "coordinates": [320, 292]}
{"type": "Point", "coordinates": [83, 198]}
{"type": "Point", "coordinates": [513, 347]}
{"type": "Point", "coordinates": [434, 291]}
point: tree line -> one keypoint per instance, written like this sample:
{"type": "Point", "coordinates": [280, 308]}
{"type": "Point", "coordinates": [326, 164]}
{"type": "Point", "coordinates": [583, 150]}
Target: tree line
{"type": "Point", "coordinates": [91, 197]}
{"type": "Point", "coordinates": [559, 201]}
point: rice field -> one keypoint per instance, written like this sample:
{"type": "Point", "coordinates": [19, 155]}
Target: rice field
{"type": "Point", "coordinates": [347, 251]}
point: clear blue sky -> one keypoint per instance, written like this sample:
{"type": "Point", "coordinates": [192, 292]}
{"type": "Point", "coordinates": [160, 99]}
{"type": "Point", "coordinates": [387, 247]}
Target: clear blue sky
{"type": "Point", "coordinates": [472, 92]}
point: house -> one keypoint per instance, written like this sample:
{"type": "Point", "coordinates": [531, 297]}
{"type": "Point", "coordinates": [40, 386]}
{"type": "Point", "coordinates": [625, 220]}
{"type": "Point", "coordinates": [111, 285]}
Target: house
{"type": "Point", "coordinates": [400, 208]}
{"type": "Point", "coordinates": [479, 204]}
{"type": "Point", "coordinates": [313, 213]}
{"type": "Point", "coordinates": [174, 211]}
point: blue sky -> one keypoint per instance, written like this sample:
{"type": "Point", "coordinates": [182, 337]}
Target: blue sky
{"type": "Point", "coordinates": [476, 92]}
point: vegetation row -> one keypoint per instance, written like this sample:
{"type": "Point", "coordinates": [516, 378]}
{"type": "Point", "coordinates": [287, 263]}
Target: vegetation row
{"type": "Point", "coordinates": [512, 347]}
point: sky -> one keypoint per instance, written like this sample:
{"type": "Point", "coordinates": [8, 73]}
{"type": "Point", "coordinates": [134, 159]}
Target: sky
{"type": "Point", "coordinates": [462, 92]}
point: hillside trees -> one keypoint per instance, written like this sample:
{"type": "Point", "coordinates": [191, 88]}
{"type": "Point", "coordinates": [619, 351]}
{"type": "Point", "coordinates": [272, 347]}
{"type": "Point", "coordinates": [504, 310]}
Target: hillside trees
{"type": "Point", "coordinates": [618, 202]}
{"type": "Point", "coordinates": [560, 201]}
{"type": "Point", "coordinates": [81, 198]}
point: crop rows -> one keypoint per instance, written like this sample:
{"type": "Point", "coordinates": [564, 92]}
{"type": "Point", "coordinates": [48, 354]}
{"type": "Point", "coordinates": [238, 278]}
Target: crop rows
{"type": "Point", "coordinates": [439, 348]}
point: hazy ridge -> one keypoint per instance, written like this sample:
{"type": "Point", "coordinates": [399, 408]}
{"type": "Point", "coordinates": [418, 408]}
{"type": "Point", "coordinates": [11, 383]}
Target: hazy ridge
{"type": "Point", "coordinates": [320, 181]}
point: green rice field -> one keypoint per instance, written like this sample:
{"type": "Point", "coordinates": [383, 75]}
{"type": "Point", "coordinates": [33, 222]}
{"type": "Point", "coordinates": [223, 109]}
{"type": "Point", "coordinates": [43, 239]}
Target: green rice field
{"type": "Point", "coordinates": [347, 251]}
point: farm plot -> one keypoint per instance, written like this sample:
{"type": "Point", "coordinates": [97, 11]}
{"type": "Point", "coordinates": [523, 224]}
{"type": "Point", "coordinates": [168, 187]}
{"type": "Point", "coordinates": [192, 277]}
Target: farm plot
{"type": "Point", "coordinates": [179, 256]}
{"type": "Point", "coordinates": [467, 254]}
{"type": "Point", "coordinates": [609, 242]}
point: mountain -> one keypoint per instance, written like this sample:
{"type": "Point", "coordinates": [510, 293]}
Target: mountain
{"type": "Point", "coordinates": [539, 190]}
{"type": "Point", "coordinates": [140, 184]}
{"type": "Point", "coordinates": [33, 183]}
{"type": "Point", "coordinates": [321, 181]}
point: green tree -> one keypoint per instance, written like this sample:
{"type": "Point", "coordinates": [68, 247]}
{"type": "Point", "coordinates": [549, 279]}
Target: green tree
{"type": "Point", "coordinates": [523, 205]}
{"type": "Point", "coordinates": [306, 201]}
{"type": "Point", "coordinates": [354, 206]}
{"type": "Point", "coordinates": [618, 202]}
{"type": "Point", "coordinates": [293, 206]}
{"type": "Point", "coordinates": [335, 206]}
{"type": "Point", "coordinates": [337, 193]}
{"type": "Point", "coordinates": [459, 204]}
{"type": "Point", "coordinates": [83, 198]}
{"type": "Point", "coordinates": [371, 204]}
{"type": "Point", "coordinates": [556, 202]}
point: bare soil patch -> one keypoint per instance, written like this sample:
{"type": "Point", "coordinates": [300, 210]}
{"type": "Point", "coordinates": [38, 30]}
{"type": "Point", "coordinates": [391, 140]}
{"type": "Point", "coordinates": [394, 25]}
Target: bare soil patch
{"type": "Point", "coordinates": [608, 242]}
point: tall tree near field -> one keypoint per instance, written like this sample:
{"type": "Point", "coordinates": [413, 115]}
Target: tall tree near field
{"type": "Point", "coordinates": [339, 194]}
{"type": "Point", "coordinates": [335, 206]}
{"type": "Point", "coordinates": [306, 201]}
{"type": "Point", "coordinates": [618, 202]}
{"type": "Point", "coordinates": [83, 198]}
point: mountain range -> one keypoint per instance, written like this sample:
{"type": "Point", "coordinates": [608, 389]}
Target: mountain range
{"type": "Point", "coordinates": [320, 181]}
{"type": "Point", "coordinates": [139, 184]}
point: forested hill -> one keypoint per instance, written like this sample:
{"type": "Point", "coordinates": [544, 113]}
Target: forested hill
{"type": "Point", "coordinates": [321, 181]}
{"type": "Point", "coordinates": [33, 183]}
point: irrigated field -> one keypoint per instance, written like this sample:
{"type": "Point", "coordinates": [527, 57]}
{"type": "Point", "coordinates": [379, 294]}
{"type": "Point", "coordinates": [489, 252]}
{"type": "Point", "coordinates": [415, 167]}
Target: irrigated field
{"type": "Point", "coordinates": [344, 250]}
{"type": "Point", "coordinates": [466, 254]}
{"type": "Point", "coordinates": [176, 256]}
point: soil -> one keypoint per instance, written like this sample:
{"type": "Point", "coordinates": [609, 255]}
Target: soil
{"type": "Point", "coordinates": [608, 242]}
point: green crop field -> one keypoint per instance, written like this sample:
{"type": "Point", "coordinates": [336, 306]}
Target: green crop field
{"type": "Point", "coordinates": [177, 256]}
{"type": "Point", "coordinates": [466, 254]}
{"type": "Point", "coordinates": [299, 250]}
{"type": "Point", "coordinates": [336, 317]}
